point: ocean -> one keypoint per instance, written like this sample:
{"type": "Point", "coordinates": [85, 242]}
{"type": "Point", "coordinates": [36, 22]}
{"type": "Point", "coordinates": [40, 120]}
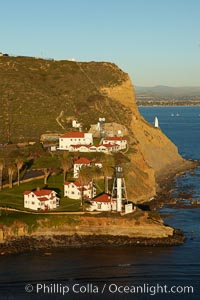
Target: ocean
{"type": "Point", "coordinates": [128, 273]}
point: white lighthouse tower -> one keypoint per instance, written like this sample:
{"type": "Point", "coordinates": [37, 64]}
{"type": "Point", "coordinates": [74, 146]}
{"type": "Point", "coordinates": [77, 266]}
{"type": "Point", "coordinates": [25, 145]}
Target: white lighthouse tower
{"type": "Point", "coordinates": [156, 124]}
{"type": "Point", "coordinates": [119, 188]}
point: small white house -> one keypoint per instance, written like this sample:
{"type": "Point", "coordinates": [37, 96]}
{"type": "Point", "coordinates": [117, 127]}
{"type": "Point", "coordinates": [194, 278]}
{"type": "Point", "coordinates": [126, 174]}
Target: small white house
{"type": "Point", "coordinates": [75, 138]}
{"type": "Point", "coordinates": [74, 190]}
{"type": "Point", "coordinates": [120, 141]}
{"type": "Point", "coordinates": [41, 200]}
{"type": "Point", "coordinates": [75, 124]}
{"type": "Point", "coordinates": [83, 161]}
{"type": "Point", "coordinates": [102, 202]}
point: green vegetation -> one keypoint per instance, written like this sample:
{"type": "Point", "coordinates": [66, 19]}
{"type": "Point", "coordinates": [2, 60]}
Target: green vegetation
{"type": "Point", "coordinates": [34, 221]}
{"type": "Point", "coordinates": [13, 198]}
{"type": "Point", "coordinates": [36, 92]}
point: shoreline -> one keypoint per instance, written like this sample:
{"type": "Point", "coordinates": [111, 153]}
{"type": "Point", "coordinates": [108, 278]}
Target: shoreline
{"type": "Point", "coordinates": [27, 244]}
{"type": "Point", "coordinates": [165, 177]}
{"type": "Point", "coordinates": [164, 181]}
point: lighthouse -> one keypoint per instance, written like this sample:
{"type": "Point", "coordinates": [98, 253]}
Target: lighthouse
{"type": "Point", "coordinates": [119, 188]}
{"type": "Point", "coordinates": [156, 122]}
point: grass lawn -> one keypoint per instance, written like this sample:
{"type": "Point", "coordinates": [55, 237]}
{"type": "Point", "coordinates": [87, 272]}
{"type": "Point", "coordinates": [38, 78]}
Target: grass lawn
{"type": "Point", "coordinates": [13, 198]}
{"type": "Point", "coordinates": [8, 218]}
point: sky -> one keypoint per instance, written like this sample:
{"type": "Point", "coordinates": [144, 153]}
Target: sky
{"type": "Point", "coordinates": [156, 41]}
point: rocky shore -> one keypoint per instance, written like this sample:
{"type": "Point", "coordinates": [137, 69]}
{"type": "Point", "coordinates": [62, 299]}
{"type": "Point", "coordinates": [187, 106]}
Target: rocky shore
{"type": "Point", "coordinates": [32, 243]}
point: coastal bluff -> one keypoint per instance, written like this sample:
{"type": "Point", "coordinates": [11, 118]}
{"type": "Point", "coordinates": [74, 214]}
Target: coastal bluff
{"type": "Point", "coordinates": [32, 88]}
{"type": "Point", "coordinates": [86, 231]}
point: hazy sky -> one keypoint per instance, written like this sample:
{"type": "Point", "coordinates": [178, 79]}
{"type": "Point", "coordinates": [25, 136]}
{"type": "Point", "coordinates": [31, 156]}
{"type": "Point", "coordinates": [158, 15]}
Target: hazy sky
{"type": "Point", "coordinates": [155, 41]}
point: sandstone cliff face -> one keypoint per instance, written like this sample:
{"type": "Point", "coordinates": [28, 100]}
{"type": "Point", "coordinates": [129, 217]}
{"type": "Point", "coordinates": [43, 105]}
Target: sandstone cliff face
{"type": "Point", "coordinates": [88, 225]}
{"type": "Point", "coordinates": [154, 152]}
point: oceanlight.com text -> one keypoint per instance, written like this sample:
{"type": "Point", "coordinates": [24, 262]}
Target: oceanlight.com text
{"type": "Point", "coordinates": [111, 288]}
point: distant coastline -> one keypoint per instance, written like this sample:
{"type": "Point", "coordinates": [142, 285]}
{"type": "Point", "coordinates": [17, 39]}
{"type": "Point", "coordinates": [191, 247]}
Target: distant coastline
{"type": "Point", "coordinates": [167, 103]}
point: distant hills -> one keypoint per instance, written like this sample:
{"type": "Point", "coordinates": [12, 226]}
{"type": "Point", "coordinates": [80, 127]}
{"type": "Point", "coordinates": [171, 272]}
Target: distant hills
{"type": "Point", "coordinates": [162, 95]}
{"type": "Point", "coordinates": [168, 91]}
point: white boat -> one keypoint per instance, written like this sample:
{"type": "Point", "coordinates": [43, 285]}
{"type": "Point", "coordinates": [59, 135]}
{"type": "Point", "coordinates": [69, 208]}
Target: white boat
{"type": "Point", "coordinates": [156, 122]}
{"type": "Point", "coordinates": [172, 115]}
{"type": "Point", "coordinates": [177, 115]}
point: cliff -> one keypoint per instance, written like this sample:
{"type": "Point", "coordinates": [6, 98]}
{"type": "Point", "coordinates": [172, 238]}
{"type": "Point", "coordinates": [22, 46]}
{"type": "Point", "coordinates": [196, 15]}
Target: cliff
{"type": "Point", "coordinates": [87, 225]}
{"type": "Point", "coordinates": [45, 95]}
{"type": "Point", "coordinates": [47, 232]}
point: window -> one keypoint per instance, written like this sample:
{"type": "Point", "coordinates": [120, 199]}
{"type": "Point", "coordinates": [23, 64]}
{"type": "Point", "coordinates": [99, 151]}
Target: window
{"type": "Point", "coordinates": [32, 196]}
{"type": "Point", "coordinates": [99, 205]}
{"type": "Point", "coordinates": [62, 140]}
{"type": "Point", "coordinates": [33, 203]}
{"type": "Point", "coordinates": [71, 140]}
{"type": "Point", "coordinates": [72, 192]}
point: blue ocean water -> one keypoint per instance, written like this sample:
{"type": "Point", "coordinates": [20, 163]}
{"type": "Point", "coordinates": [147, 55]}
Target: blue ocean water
{"type": "Point", "coordinates": [122, 267]}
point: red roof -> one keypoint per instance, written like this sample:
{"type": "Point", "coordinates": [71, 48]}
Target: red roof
{"type": "Point", "coordinates": [43, 199]}
{"type": "Point", "coordinates": [27, 192]}
{"type": "Point", "coordinates": [42, 192]}
{"type": "Point", "coordinates": [82, 161]}
{"type": "Point", "coordinates": [102, 198]}
{"type": "Point", "coordinates": [110, 145]}
{"type": "Point", "coordinates": [114, 138]}
{"type": "Point", "coordinates": [73, 134]}
{"type": "Point", "coordinates": [76, 183]}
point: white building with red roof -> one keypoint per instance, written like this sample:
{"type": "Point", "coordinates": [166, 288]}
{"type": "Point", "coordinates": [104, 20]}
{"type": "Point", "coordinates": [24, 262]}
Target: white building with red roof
{"type": "Point", "coordinates": [103, 202]}
{"type": "Point", "coordinates": [41, 199]}
{"type": "Point", "coordinates": [115, 140]}
{"type": "Point", "coordinates": [78, 163]}
{"type": "Point", "coordinates": [74, 138]}
{"type": "Point", "coordinates": [74, 190]}
{"type": "Point", "coordinates": [83, 161]}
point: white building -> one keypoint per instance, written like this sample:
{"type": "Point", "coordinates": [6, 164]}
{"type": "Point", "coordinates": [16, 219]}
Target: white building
{"type": "Point", "coordinates": [83, 161]}
{"type": "Point", "coordinates": [78, 163]}
{"type": "Point", "coordinates": [74, 138]}
{"type": "Point", "coordinates": [75, 124]}
{"type": "Point", "coordinates": [120, 141]}
{"type": "Point", "coordinates": [79, 148]}
{"type": "Point", "coordinates": [41, 200]}
{"type": "Point", "coordinates": [102, 202]}
{"type": "Point", "coordinates": [75, 189]}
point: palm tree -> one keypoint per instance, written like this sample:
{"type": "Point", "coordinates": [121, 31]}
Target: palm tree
{"type": "Point", "coordinates": [19, 163]}
{"type": "Point", "coordinates": [84, 178]}
{"type": "Point", "coordinates": [107, 171]}
{"type": "Point", "coordinates": [94, 173]}
{"type": "Point", "coordinates": [1, 173]}
{"type": "Point", "coordinates": [11, 170]}
{"type": "Point", "coordinates": [66, 165]}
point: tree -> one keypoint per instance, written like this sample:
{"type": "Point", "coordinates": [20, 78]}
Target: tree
{"type": "Point", "coordinates": [1, 173]}
{"type": "Point", "coordinates": [47, 164]}
{"type": "Point", "coordinates": [84, 178]}
{"type": "Point", "coordinates": [94, 173]}
{"type": "Point", "coordinates": [107, 171]}
{"type": "Point", "coordinates": [66, 165]}
{"type": "Point", "coordinates": [19, 163]}
{"type": "Point", "coordinates": [11, 170]}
